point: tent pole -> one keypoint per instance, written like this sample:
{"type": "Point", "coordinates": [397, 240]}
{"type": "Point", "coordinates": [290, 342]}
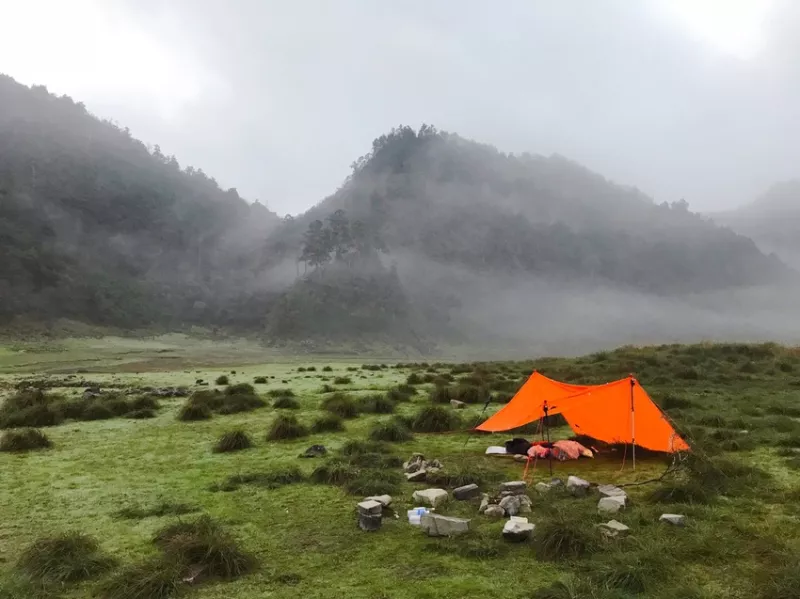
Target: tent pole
{"type": "Point", "coordinates": [547, 428]}
{"type": "Point", "coordinates": [633, 423]}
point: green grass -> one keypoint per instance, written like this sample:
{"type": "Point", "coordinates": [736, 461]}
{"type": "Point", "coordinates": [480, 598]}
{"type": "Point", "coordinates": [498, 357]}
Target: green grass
{"type": "Point", "coordinates": [121, 480]}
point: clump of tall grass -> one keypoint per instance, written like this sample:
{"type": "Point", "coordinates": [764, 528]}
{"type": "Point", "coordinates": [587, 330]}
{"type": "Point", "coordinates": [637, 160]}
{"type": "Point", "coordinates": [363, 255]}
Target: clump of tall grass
{"type": "Point", "coordinates": [26, 439]}
{"type": "Point", "coordinates": [286, 427]}
{"type": "Point", "coordinates": [68, 557]}
{"type": "Point", "coordinates": [233, 441]}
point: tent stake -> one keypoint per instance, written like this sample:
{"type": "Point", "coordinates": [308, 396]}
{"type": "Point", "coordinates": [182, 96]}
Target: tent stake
{"type": "Point", "coordinates": [633, 423]}
{"type": "Point", "coordinates": [549, 449]}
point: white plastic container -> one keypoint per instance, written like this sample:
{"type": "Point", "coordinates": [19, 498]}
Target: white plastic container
{"type": "Point", "coordinates": [415, 515]}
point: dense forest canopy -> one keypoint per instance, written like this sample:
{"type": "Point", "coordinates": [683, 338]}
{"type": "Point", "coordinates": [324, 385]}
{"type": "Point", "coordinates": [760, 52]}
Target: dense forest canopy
{"type": "Point", "coordinates": [97, 227]}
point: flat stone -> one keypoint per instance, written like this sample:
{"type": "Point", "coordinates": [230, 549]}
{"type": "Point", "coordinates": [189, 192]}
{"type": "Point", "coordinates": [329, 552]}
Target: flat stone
{"type": "Point", "coordinates": [466, 492]}
{"type": "Point", "coordinates": [556, 482]}
{"type": "Point", "coordinates": [458, 405]}
{"type": "Point", "coordinates": [369, 522]}
{"type": "Point", "coordinates": [384, 500]}
{"type": "Point", "coordinates": [434, 464]}
{"type": "Point", "coordinates": [610, 505]}
{"type": "Point", "coordinates": [415, 462]}
{"type": "Point", "coordinates": [520, 458]}
{"type": "Point", "coordinates": [514, 486]}
{"type": "Point", "coordinates": [525, 504]}
{"type": "Point", "coordinates": [484, 502]}
{"type": "Point", "coordinates": [370, 506]}
{"type": "Point", "coordinates": [494, 511]}
{"type": "Point", "coordinates": [577, 486]}
{"type": "Point", "coordinates": [542, 487]}
{"type": "Point", "coordinates": [613, 528]}
{"type": "Point", "coordinates": [416, 476]}
{"type": "Point", "coordinates": [674, 519]}
{"type": "Point", "coordinates": [437, 525]}
{"type": "Point", "coordinates": [611, 491]}
{"type": "Point", "coordinates": [510, 504]}
{"type": "Point", "coordinates": [431, 497]}
{"type": "Point", "coordinates": [518, 530]}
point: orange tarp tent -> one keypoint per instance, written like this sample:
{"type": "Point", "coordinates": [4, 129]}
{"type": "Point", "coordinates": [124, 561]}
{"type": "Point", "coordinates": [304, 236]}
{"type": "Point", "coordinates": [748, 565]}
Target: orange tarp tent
{"type": "Point", "coordinates": [617, 412]}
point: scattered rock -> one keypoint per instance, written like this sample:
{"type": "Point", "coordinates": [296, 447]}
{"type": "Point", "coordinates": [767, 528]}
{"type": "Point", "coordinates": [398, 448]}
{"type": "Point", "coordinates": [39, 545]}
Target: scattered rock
{"type": "Point", "coordinates": [674, 519]}
{"type": "Point", "coordinates": [556, 482]}
{"type": "Point", "coordinates": [525, 504]}
{"type": "Point", "coordinates": [437, 525]}
{"type": "Point", "coordinates": [431, 497]}
{"type": "Point", "coordinates": [520, 458]}
{"type": "Point", "coordinates": [416, 462]}
{"type": "Point", "coordinates": [542, 487]}
{"type": "Point", "coordinates": [434, 464]}
{"type": "Point", "coordinates": [612, 528]}
{"type": "Point", "coordinates": [517, 487]}
{"type": "Point", "coordinates": [370, 507]}
{"type": "Point", "coordinates": [610, 505]}
{"type": "Point", "coordinates": [518, 530]}
{"type": "Point", "coordinates": [458, 405]}
{"type": "Point", "coordinates": [431, 470]}
{"type": "Point", "coordinates": [577, 486]}
{"type": "Point", "coordinates": [315, 451]}
{"type": "Point", "coordinates": [466, 492]}
{"type": "Point", "coordinates": [510, 505]}
{"type": "Point", "coordinates": [417, 476]}
{"type": "Point", "coordinates": [384, 500]}
{"type": "Point", "coordinates": [484, 503]}
{"type": "Point", "coordinates": [369, 522]}
{"type": "Point", "coordinates": [494, 511]}
{"type": "Point", "coordinates": [611, 491]}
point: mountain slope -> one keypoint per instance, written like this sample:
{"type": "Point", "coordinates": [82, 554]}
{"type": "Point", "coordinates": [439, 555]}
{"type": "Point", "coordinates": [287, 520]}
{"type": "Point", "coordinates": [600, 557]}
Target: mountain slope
{"type": "Point", "coordinates": [96, 227]}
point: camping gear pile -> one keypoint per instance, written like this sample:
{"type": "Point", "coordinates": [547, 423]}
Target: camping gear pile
{"type": "Point", "coordinates": [557, 450]}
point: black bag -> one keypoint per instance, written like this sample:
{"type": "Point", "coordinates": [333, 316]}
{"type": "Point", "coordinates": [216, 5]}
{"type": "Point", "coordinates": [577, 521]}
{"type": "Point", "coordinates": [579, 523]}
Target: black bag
{"type": "Point", "coordinates": [518, 446]}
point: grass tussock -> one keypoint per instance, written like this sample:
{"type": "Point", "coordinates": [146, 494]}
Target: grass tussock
{"type": "Point", "coordinates": [436, 419]}
{"type": "Point", "coordinates": [157, 578]}
{"type": "Point", "coordinates": [341, 404]}
{"type": "Point", "coordinates": [26, 439]}
{"type": "Point", "coordinates": [193, 412]}
{"type": "Point", "coordinates": [464, 473]}
{"type": "Point", "coordinates": [393, 431]}
{"type": "Point", "coordinates": [376, 404]}
{"type": "Point", "coordinates": [565, 536]}
{"type": "Point", "coordinates": [222, 380]}
{"type": "Point", "coordinates": [286, 427]}
{"type": "Point", "coordinates": [329, 423]}
{"type": "Point", "coordinates": [271, 479]}
{"type": "Point", "coordinates": [335, 472]}
{"type": "Point", "coordinates": [281, 393]}
{"type": "Point", "coordinates": [233, 441]}
{"type": "Point", "coordinates": [441, 394]}
{"type": "Point", "coordinates": [372, 481]}
{"type": "Point", "coordinates": [342, 380]}
{"type": "Point", "coordinates": [69, 557]}
{"type": "Point", "coordinates": [206, 545]}
{"type": "Point", "coordinates": [234, 400]}
{"type": "Point", "coordinates": [285, 403]}
{"type": "Point", "coordinates": [478, 544]}
{"type": "Point", "coordinates": [260, 380]}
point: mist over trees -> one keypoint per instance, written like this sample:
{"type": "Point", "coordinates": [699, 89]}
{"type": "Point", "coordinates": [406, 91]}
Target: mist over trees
{"type": "Point", "coordinates": [96, 227]}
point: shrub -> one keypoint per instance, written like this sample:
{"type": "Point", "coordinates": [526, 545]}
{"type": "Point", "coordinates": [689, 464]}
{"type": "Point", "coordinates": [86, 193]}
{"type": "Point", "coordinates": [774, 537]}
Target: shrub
{"type": "Point", "coordinates": [392, 431]}
{"type": "Point", "coordinates": [634, 572]}
{"type": "Point", "coordinates": [328, 423]}
{"type": "Point", "coordinates": [206, 545]}
{"type": "Point", "coordinates": [565, 537]}
{"type": "Point", "coordinates": [374, 482]}
{"type": "Point", "coordinates": [286, 427]}
{"type": "Point", "coordinates": [470, 394]}
{"type": "Point", "coordinates": [233, 441]}
{"type": "Point", "coordinates": [270, 480]}
{"type": "Point", "coordinates": [235, 404]}
{"type": "Point", "coordinates": [376, 404]}
{"type": "Point", "coordinates": [342, 380]}
{"type": "Point", "coordinates": [414, 379]}
{"type": "Point", "coordinates": [280, 393]}
{"type": "Point", "coordinates": [143, 402]}
{"type": "Point", "coordinates": [301, 369]}
{"type": "Point", "coordinates": [476, 544]}
{"type": "Point", "coordinates": [462, 474]}
{"type": "Point", "coordinates": [441, 394]}
{"type": "Point", "coordinates": [334, 472]}
{"type": "Point", "coordinates": [161, 509]}
{"type": "Point", "coordinates": [24, 439]}
{"type": "Point", "coordinates": [372, 367]}
{"type": "Point", "coordinates": [285, 403]}
{"type": "Point", "coordinates": [406, 389]}
{"type": "Point", "coordinates": [97, 411]}
{"type": "Point", "coordinates": [260, 380]}
{"type": "Point", "coordinates": [327, 369]}
{"type": "Point", "coordinates": [192, 412]}
{"type": "Point", "coordinates": [341, 404]}
{"type": "Point", "coordinates": [32, 417]}
{"type": "Point", "coordinates": [222, 380]}
{"type": "Point", "coordinates": [435, 419]}
{"type": "Point", "coordinates": [157, 578]}
{"type": "Point", "coordinates": [142, 414]}
{"type": "Point", "coordinates": [210, 398]}
{"type": "Point", "coordinates": [240, 389]}
{"type": "Point", "coordinates": [69, 557]}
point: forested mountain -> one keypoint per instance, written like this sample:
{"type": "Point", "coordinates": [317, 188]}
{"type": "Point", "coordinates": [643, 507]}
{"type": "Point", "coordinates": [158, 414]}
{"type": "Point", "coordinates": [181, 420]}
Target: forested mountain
{"type": "Point", "coordinates": [96, 227]}
{"type": "Point", "coordinates": [772, 221]}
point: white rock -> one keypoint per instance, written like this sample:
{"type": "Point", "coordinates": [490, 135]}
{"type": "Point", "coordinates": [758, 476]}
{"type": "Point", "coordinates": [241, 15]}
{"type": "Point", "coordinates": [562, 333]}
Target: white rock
{"type": "Point", "coordinates": [466, 492]}
{"type": "Point", "coordinates": [542, 487]}
{"type": "Point", "coordinates": [514, 486]}
{"type": "Point", "coordinates": [610, 505]}
{"type": "Point", "coordinates": [510, 504]}
{"type": "Point", "coordinates": [674, 519]}
{"type": "Point", "coordinates": [518, 529]}
{"type": "Point", "coordinates": [611, 491]}
{"type": "Point", "coordinates": [577, 486]}
{"type": "Point", "coordinates": [437, 525]}
{"type": "Point", "coordinates": [458, 405]}
{"type": "Point", "coordinates": [384, 500]}
{"type": "Point", "coordinates": [417, 477]}
{"type": "Point", "coordinates": [614, 528]}
{"type": "Point", "coordinates": [494, 511]}
{"type": "Point", "coordinates": [484, 502]}
{"type": "Point", "coordinates": [369, 506]}
{"type": "Point", "coordinates": [432, 497]}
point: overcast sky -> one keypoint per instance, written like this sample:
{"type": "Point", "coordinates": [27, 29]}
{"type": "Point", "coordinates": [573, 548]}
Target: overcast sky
{"type": "Point", "coordinates": [697, 99]}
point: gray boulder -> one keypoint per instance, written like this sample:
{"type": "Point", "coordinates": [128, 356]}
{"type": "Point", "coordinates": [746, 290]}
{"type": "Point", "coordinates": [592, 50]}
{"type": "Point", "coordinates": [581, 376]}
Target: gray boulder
{"type": "Point", "coordinates": [613, 528]}
{"type": "Point", "coordinates": [510, 505]}
{"type": "Point", "coordinates": [518, 530]}
{"type": "Point", "coordinates": [525, 504]}
{"type": "Point", "coordinates": [466, 492]}
{"type": "Point", "coordinates": [384, 500]}
{"type": "Point", "coordinates": [484, 503]}
{"type": "Point", "coordinates": [542, 487]}
{"type": "Point", "coordinates": [431, 497]}
{"type": "Point", "coordinates": [674, 519]}
{"type": "Point", "coordinates": [577, 486]}
{"type": "Point", "coordinates": [494, 511]}
{"type": "Point", "coordinates": [458, 405]}
{"type": "Point", "coordinates": [370, 507]}
{"type": "Point", "coordinates": [437, 525]}
{"type": "Point", "coordinates": [610, 505]}
{"type": "Point", "coordinates": [611, 491]}
{"type": "Point", "coordinates": [417, 476]}
{"type": "Point", "coordinates": [315, 451]}
{"type": "Point", "coordinates": [515, 487]}
{"type": "Point", "coordinates": [369, 522]}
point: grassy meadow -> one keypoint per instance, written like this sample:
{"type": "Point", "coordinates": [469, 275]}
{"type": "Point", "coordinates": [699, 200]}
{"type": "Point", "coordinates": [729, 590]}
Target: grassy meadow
{"type": "Point", "coordinates": [119, 471]}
